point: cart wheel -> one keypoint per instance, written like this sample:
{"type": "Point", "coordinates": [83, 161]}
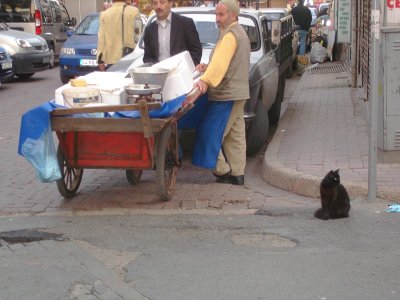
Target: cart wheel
{"type": "Point", "coordinates": [133, 176]}
{"type": "Point", "coordinates": [166, 164]}
{"type": "Point", "coordinates": [71, 177]}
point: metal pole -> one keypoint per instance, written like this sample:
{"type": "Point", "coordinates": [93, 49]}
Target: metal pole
{"type": "Point", "coordinates": [354, 44]}
{"type": "Point", "coordinates": [373, 102]}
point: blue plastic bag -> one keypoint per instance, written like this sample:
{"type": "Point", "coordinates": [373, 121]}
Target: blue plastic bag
{"type": "Point", "coordinates": [41, 154]}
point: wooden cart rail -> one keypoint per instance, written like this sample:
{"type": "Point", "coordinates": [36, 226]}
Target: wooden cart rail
{"type": "Point", "coordinates": [61, 122]}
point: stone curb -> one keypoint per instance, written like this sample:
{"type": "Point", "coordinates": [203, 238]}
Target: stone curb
{"type": "Point", "coordinates": [276, 174]}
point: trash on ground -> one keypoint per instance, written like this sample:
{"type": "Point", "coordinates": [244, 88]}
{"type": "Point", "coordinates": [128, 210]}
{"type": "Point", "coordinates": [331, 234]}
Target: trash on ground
{"type": "Point", "coordinates": [393, 208]}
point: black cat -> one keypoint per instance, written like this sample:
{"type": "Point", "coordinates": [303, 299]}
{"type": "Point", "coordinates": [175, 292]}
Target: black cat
{"type": "Point", "coordinates": [335, 200]}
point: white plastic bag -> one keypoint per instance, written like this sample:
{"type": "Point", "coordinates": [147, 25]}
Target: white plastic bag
{"type": "Point", "coordinates": [318, 53]}
{"type": "Point", "coordinates": [42, 155]}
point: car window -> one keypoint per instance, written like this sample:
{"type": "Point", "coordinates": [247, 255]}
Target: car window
{"type": "Point", "coordinates": [16, 11]}
{"type": "Point", "coordinates": [251, 28]}
{"type": "Point", "coordinates": [89, 26]}
{"type": "Point", "coordinates": [274, 16]}
{"type": "Point", "coordinates": [55, 11]}
{"type": "Point", "coordinates": [64, 14]}
{"type": "Point", "coordinates": [209, 32]}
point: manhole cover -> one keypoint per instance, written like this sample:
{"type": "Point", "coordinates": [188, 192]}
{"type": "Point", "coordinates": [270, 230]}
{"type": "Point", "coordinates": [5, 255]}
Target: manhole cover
{"type": "Point", "coordinates": [266, 240]}
{"type": "Point", "coordinates": [28, 236]}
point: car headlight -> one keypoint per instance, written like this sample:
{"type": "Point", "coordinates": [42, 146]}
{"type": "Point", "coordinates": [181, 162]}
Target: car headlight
{"type": "Point", "coordinates": [68, 51]}
{"type": "Point", "coordinates": [23, 43]}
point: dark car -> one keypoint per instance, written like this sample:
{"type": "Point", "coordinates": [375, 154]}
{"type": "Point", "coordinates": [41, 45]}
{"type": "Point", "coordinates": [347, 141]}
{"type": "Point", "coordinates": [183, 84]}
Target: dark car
{"type": "Point", "coordinates": [6, 67]}
{"type": "Point", "coordinates": [78, 54]}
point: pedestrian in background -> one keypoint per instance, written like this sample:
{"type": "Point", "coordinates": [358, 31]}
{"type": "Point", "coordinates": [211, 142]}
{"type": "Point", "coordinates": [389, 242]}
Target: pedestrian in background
{"type": "Point", "coordinates": [116, 33]}
{"type": "Point", "coordinates": [169, 35]}
{"type": "Point", "coordinates": [107, 4]}
{"type": "Point", "coordinates": [302, 17]}
{"type": "Point", "coordinates": [226, 80]}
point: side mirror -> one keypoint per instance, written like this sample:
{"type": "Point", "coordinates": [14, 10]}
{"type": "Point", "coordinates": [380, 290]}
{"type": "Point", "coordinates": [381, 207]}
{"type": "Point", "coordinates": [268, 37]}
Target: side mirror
{"type": "Point", "coordinates": [71, 22]}
{"type": "Point", "coordinates": [276, 32]}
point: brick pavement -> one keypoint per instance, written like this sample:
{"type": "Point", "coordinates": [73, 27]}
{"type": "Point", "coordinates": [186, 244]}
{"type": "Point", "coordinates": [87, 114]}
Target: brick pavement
{"type": "Point", "coordinates": [107, 190]}
{"type": "Point", "coordinates": [325, 128]}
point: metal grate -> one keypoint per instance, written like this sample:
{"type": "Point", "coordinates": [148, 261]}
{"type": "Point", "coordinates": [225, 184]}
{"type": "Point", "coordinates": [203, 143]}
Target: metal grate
{"type": "Point", "coordinates": [331, 68]}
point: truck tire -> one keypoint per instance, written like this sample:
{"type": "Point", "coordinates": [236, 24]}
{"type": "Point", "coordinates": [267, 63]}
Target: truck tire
{"type": "Point", "coordinates": [257, 132]}
{"type": "Point", "coordinates": [274, 112]}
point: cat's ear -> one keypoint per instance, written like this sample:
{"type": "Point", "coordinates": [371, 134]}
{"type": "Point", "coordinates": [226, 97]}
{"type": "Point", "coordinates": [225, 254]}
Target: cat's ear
{"type": "Point", "coordinates": [337, 171]}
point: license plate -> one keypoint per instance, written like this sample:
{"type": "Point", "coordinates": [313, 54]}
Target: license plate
{"type": "Point", "coordinates": [88, 62]}
{"type": "Point", "coordinates": [6, 65]}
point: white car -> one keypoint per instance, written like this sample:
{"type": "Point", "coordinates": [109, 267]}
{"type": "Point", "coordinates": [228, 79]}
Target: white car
{"type": "Point", "coordinates": [30, 53]}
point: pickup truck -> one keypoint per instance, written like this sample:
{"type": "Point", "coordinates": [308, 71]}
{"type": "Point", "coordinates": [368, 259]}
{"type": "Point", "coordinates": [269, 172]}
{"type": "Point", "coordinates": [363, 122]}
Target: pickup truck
{"type": "Point", "coordinates": [270, 60]}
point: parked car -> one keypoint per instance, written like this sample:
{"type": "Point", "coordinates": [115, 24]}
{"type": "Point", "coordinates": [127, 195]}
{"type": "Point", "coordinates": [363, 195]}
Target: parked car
{"type": "Point", "coordinates": [268, 67]}
{"type": "Point", "coordinates": [78, 54]}
{"type": "Point", "coordinates": [30, 53]}
{"type": "Point", "coordinates": [6, 67]}
{"type": "Point", "coordinates": [277, 14]}
{"type": "Point", "coordinates": [46, 18]}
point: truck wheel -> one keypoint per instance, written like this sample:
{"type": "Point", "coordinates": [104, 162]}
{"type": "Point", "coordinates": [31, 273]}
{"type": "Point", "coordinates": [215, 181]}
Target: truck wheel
{"type": "Point", "coordinates": [257, 132]}
{"type": "Point", "coordinates": [294, 63]}
{"type": "Point", "coordinates": [274, 112]}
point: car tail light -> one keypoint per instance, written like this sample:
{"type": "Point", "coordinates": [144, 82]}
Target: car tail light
{"type": "Point", "coordinates": [38, 22]}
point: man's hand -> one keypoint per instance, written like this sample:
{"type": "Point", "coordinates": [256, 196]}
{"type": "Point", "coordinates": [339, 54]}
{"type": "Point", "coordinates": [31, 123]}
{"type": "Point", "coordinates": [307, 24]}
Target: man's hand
{"type": "Point", "coordinates": [202, 86]}
{"type": "Point", "coordinates": [201, 68]}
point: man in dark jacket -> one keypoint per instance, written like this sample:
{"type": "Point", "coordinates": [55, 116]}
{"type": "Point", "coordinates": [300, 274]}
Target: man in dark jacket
{"type": "Point", "coordinates": [302, 17]}
{"type": "Point", "coordinates": [169, 35]}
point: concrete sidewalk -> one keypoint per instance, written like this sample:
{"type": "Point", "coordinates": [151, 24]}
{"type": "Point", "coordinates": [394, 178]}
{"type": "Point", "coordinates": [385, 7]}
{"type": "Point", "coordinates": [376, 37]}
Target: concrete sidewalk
{"type": "Point", "coordinates": [325, 128]}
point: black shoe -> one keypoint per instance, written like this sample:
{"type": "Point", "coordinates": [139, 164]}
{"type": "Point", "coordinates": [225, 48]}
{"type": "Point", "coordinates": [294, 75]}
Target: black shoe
{"type": "Point", "coordinates": [226, 175]}
{"type": "Point", "coordinates": [236, 180]}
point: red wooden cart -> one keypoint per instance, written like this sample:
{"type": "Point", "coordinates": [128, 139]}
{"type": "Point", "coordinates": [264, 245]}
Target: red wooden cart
{"type": "Point", "coordinates": [130, 144]}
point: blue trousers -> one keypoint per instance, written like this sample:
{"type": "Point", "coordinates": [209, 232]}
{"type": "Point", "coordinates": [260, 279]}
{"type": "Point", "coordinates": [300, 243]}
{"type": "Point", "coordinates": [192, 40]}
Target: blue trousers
{"type": "Point", "coordinates": [303, 41]}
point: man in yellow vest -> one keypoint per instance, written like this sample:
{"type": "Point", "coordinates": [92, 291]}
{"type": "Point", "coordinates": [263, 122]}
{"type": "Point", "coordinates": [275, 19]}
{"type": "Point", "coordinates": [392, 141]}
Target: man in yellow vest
{"type": "Point", "coordinates": [226, 80]}
{"type": "Point", "coordinates": [111, 41]}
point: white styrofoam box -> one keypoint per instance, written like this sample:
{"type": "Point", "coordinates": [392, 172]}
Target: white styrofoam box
{"type": "Point", "coordinates": [113, 96]}
{"type": "Point", "coordinates": [180, 79]}
{"type": "Point", "coordinates": [110, 84]}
